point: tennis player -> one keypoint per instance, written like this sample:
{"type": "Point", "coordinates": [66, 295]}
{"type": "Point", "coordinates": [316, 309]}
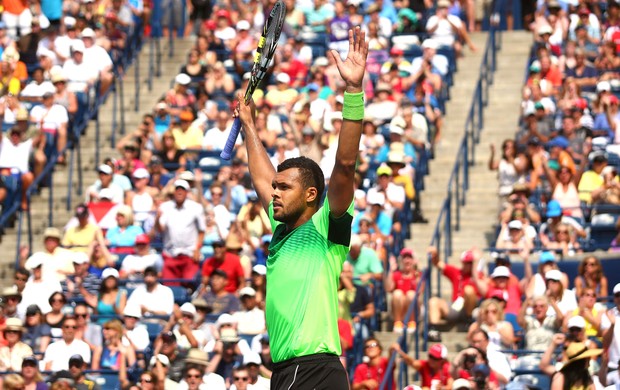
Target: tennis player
{"type": "Point", "coordinates": [310, 240]}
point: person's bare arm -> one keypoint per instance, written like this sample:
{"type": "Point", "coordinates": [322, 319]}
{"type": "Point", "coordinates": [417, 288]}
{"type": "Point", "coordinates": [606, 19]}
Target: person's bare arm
{"type": "Point", "coordinates": [352, 72]}
{"type": "Point", "coordinates": [261, 169]}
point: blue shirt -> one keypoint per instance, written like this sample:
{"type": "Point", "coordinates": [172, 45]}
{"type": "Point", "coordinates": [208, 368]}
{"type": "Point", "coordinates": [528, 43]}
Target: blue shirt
{"type": "Point", "coordinates": [52, 9]}
{"type": "Point", "coordinates": [124, 238]}
{"type": "Point", "coordinates": [384, 223]}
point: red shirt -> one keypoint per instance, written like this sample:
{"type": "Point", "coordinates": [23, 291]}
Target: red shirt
{"type": "Point", "coordinates": [405, 283]}
{"type": "Point", "coordinates": [364, 371]}
{"type": "Point", "coordinates": [466, 375]}
{"type": "Point", "coordinates": [459, 281]}
{"type": "Point", "coordinates": [428, 376]}
{"type": "Point", "coordinates": [294, 69]}
{"type": "Point", "coordinates": [346, 333]}
{"type": "Point", "coordinates": [231, 265]}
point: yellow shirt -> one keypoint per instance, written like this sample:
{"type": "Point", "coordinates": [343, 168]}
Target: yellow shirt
{"type": "Point", "coordinates": [407, 183]}
{"type": "Point", "coordinates": [589, 182]}
{"type": "Point", "coordinates": [78, 239]}
{"type": "Point", "coordinates": [192, 138]}
{"type": "Point", "coordinates": [279, 98]}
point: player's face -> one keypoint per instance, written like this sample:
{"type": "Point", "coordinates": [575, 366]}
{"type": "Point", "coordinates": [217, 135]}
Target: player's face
{"type": "Point", "coordinates": [289, 196]}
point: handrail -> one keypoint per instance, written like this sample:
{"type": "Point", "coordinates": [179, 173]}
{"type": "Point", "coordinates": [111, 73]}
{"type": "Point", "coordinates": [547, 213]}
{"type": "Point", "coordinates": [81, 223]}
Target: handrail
{"type": "Point", "coordinates": [457, 187]}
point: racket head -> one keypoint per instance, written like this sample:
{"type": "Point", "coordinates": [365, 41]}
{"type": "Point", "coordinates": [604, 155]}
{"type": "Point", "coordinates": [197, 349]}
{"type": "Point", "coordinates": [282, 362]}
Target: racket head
{"type": "Point", "coordinates": [267, 45]}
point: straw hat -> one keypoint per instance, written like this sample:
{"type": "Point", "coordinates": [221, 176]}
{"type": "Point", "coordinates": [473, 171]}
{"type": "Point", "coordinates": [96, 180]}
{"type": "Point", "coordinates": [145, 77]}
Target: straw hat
{"type": "Point", "coordinates": [196, 356]}
{"type": "Point", "coordinates": [14, 324]}
{"type": "Point", "coordinates": [577, 351]}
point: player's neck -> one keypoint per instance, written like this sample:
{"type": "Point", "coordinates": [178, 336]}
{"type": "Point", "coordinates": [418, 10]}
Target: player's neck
{"type": "Point", "coordinates": [303, 218]}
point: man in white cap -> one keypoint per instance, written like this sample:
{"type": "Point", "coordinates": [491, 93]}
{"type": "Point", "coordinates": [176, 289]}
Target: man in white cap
{"type": "Point", "coordinates": [106, 176]}
{"type": "Point", "coordinates": [38, 290]}
{"type": "Point", "coordinates": [182, 224]}
{"type": "Point", "coordinates": [135, 335]}
{"type": "Point", "coordinates": [57, 261]}
{"type": "Point", "coordinates": [437, 63]}
{"type": "Point", "coordinates": [80, 74]}
{"type": "Point", "coordinates": [283, 96]}
{"type": "Point", "coordinates": [250, 320]}
{"type": "Point", "coordinates": [183, 326]}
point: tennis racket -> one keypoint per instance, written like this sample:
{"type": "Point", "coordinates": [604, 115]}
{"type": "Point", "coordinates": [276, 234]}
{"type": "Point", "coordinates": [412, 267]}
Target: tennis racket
{"type": "Point", "coordinates": [264, 53]}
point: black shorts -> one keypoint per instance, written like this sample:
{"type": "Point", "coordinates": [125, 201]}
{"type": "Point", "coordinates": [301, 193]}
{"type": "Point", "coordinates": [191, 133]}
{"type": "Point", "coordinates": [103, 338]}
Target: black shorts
{"type": "Point", "coordinates": [322, 371]}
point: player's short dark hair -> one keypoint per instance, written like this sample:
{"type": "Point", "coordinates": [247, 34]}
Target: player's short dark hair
{"type": "Point", "coordinates": [311, 173]}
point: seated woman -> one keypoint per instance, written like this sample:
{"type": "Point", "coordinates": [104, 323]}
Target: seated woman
{"type": "Point", "coordinates": [56, 316]}
{"type": "Point", "coordinates": [122, 238]}
{"type": "Point", "coordinates": [564, 238]}
{"type": "Point", "coordinates": [36, 332]}
{"type": "Point", "coordinates": [491, 320]}
{"type": "Point", "coordinates": [513, 236]}
{"type": "Point", "coordinates": [111, 300]}
{"type": "Point", "coordinates": [590, 275]}
{"type": "Point", "coordinates": [113, 349]}
{"type": "Point", "coordinates": [590, 312]}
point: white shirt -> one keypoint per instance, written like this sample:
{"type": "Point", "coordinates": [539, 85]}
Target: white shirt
{"type": "Point", "coordinates": [59, 353]}
{"type": "Point", "coordinates": [614, 348]}
{"type": "Point", "coordinates": [118, 195]}
{"type": "Point", "coordinates": [181, 226]}
{"type": "Point", "coordinates": [393, 192]}
{"type": "Point", "coordinates": [439, 62]}
{"type": "Point", "coordinates": [160, 299]}
{"type": "Point", "coordinates": [97, 57]}
{"type": "Point", "coordinates": [49, 119]}
{"type": "Point", "coordinates": [499, 363]}
{"type": "Point", "coordinates": [15, 156]}
{"type": "Point", "coordinates": [215, 139]}
{"type": "Point", "coordinates": [36, 90]}
{"type": "Point", "coordinates": [444, 35]}
{"type": "Point", "coordinates": [38, 293]}
{"type": "Point", "coordinates": [250, 322]}
{"type": "Point", "coordinates": [137, 263]}
{"type": "Point", "coordinates": [79, 75]}
{"type": "Point", "coordinates": [139, 336]}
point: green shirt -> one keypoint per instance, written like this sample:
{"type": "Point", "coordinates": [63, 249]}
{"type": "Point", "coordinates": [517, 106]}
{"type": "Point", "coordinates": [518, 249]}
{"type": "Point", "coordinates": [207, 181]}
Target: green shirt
{"type": "Point", "coordinates": [366, 262]}
{"type": "Point", "coordinates": [303, 271]}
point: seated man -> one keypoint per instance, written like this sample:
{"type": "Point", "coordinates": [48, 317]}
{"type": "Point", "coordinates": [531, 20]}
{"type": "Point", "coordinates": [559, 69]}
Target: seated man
{"type": "Point", "coordinates": [465, 294]}
{"type": "Point", "coordinates": [153, 298]}
{"type": "Point", "coordinates": [220, 300]}
{"type": "Point", "coordinates": [366, 264]}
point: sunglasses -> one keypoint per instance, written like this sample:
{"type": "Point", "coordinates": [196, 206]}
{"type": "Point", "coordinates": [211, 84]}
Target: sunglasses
{"type": "Point", "coordinates": [12, 331]}
{"type": "Point", "coordinates": [146, 380]}
{"type": "Point", "coordinates": [492, 311]}
{"type": "Point", "coordinates": [241, 378]}
{"type": "Point", "coordinates": [371, 345]}
{"type": "Point", "coordinates": [592, 264]}
{"type": "Point", "coordinates": [617, 295]}
{"type": "Point", "coordinates": [69, 327]}
{"type": "Point", "coordinates": [193, 376]}
{"type": "Point", "coordinates": [58, 300]}
{"type": "Point", "coordinates": [575, 329]}
{"type": "Point", "coordinates": [21, 279]}
{"type": "Point", "coordinates": [216, 193]}
{"type": "Point", "coordinates": [589, 295]}
{"type": "Point", "coordinates": [81, 315]}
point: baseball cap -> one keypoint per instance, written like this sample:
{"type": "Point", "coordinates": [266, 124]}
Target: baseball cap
{"type": "Point", "coordinates": [141, 173]}
{"type": "Point", "coordinates": [109, 272]}
{"type": "Point", "coordinates": [616, 288]}
{"type": "Point", "coordinates": [467, 256]}
{"type": "Point", "coordinates": [81, 211]}
{"type": "Point", "coordinates": [384, 170]}
{"type": "Point", "coordinates": [78, 46]}
{"type": "Point", "coordinates": [430, 44]}
{"type": "Point", "coordinates": [546, 257]}
{"type": "Point", "coordinates": [461, 384]}
{"type": "Point", "coordinates": [553, 274]}
{"type": "Point", "coordinates": [224, 319]}
{"type": "Point", "coordinates": [251, 358]}
{"type": "Point", "coordinates": [189, 308]}
{"type": "Point", "coordinates": [438, 351]}
{"type": "Point", "coordinates": [313, 87]}
{"type": "Point", "coordinates": [500, 272]}
{"type": "Point", "coordinates": [554, 209]}
{"type": "Point", "coordinates": [247, 291]}
{"type": "Point", "coordinates": [515, 224]}
{"type": "Point", "coordinates": [32, 310]}
{"type": "Point", "coordinates": [76, 359]}
{"type": "Point", "coordinates": [406, 252]}
{"type": "Point", "coordinates": [132, 311]}
{"type": "Point", "coordinates": [243, 25]}
{"type": "Point", "coordinates": [163, 359]}
{"type": "Point", "coordinates": [142, 239]}
{"type": "Point", "coordinates": [104, 168]}
{"type": "Point", "coordinates": [88, 33]}
{"type": "Point", "coordinates": [558, 141]}
{"type": "Point", "coordinates": [576, 322]}
{"type": "Point", "coordinates": [30, 360]}
{"type": "Point", "coordinates": [283, 78]}
{"type": "Point", "coordinates": [375, 198]}
{"type": "Point", "coordinates": [603, 86]}
{"type": "Point", "coordinates": [182, 184]}
{"type": "Point", "coordinates": [262, 270]}
{"type": "Point", "coordinates": [182, 79]}
{"type": "Point", "coordinates": [80, 258]}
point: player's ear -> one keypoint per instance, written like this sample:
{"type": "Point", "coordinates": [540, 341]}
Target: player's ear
{"type": "Point", "coordinates": [311, 195]}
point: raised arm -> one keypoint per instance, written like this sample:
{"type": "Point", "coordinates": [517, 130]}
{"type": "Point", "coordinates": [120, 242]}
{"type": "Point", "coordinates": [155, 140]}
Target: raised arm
{"type": "Point", "coordinates": [261, 169]}
{"type": "Point", "coordinates": [352, 72]}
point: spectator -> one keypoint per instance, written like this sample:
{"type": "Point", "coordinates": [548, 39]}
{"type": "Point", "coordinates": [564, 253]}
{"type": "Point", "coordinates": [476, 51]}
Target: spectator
{"type": "Point", "coordinates": [133, 265]}
{"type": "Point", "coordinates": [564, 297]}
{"type": "Point", "coordinates": [251, 319]}
{"type": "Point", "coordinates": [37, 290]}
{"type": "Point", "coordinates": [590, 274]}
{"type": "Point", "coordinates": [498, 363]}
{"type": "Point", "coordinates": [152, 298]}
{"type": "Point", "coordinates": [448, 29]}
{"type": "Point", "coordinates": [259, 282]}
{"type": "Point", "coordinates": [181, 221]}
{"type": "Point", "coordinates": [282, 97]}
{"type": "Point", "coordinates": [170, 356]}
{"type": "Point", "coordinates": [122, 237]}
{"type": "Point", "coordinates": [435, 371]}
{"type": "Point", "coordinates": [227, 353]}
{"type": "Point", "coordinates": [574, 371]}
{"type": "Point", "coordinates": [135, 334]}
{"type": "Point", "coordinates": [13, 382]}
{"type": "Point", "coordinates": [505, 281]}
{"type": "Point", "coordinates": [505, 167]}
{"type": "Point", "coordinates": [81, 278]}
{"type": "Point", "coordinates": [217, 296]}
{"type": "Point", "coordinates": [142, 198]}
{"type": "Point", "coordinates": [31, 375]}
{"type": "Point", "coordinates": [10, 300]}
{"type": "Point", "coordinates": [366, 265]}
{"type": "Point", "coordinates": [183, 326]}
{"type": "Point", "coordinates": [14, 153]}
{"type": "Point", "coordinates": [564, 188]}
{"type": "Point", "coordinates": [56, 317]}
{"type": "Point", "coordinates": [81, 75]}
{"type": "Point", "coordinates": [465, 295]}
{"type": "Point", "coordinates": [491, 320]}
{"type": "Point", "coordinates": [252, 365]}
{"type": "Point", "coordinates": [55, 357]}
{"type": "Point", "coordinates": [36, 332]}
{"type": "Point", "coordinates": [13, 353]}
{"type": "Point", "coordinates": [219, 84]}
{"type": "Point", "coordinates": [227, 262]}
{"type": "Point", "coordinates": [87, 330]}
{"type": "Point", "coordinates": [588, 310]}
{"type": "Point", "coordinates": [555, 216]}
{"type": "Point", "coordinates": [394, 194]}
{"type": "Point", "coordinates": [369, 374]}
{"type": "Point", "coordinates": [93, 193]}
{"type": "Point", "coordinates": [382, 222]}
{"type": "Point", "coordinates": [78, 238]}
{"type": "Point", "coordinates": [539, 327]}
{"type": "Point", "coordinates": [187, 135]}
{"type": "Point", "coordinates": [611, 338]}
{"type": "Point", "coordinates": [113, 349]}
{"type": "Point", "coordinates": [402, 282]}
{"type": "Point", "coordinates": [111, 300]}
{"type": "Point", "coordinates": [467, 362]}
{"type": "Point", "coordinates": [180, 97]}
{"type": "Point", "coordinates": [77, 365]}
{"type": "Point", "coordinates": [564, 240]}
{"type": "Point", "coordinates": [512, 236]}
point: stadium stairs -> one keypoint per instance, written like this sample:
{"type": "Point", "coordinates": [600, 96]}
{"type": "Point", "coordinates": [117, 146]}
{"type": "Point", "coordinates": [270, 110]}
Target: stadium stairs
{"type": "Point", "coordinates": [147, 99]}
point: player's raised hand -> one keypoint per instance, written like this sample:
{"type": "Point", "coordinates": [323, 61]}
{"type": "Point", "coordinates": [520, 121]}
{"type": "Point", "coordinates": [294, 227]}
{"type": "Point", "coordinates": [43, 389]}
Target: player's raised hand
{"type": "Point", "coordinates": [353, 67]}
{"type": "Point", "coordinates": [246, 112]}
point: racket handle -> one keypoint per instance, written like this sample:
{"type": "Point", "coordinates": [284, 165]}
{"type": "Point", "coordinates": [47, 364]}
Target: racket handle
{"type": "Point", "coordinates": [232, 139]}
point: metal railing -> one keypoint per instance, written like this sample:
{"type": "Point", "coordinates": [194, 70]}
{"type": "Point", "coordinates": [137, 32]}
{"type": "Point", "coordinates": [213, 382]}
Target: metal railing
{"type": "Point", "coordinates": [456, 196]}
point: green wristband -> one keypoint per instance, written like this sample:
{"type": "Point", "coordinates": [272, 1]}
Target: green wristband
{"type": "Point", "coordinates": [353, 106]}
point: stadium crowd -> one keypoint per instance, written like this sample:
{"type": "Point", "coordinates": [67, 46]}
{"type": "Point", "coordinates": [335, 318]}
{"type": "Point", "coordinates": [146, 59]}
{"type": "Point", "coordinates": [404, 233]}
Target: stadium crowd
{"type": "Point", "coordinates": [158, 281]}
